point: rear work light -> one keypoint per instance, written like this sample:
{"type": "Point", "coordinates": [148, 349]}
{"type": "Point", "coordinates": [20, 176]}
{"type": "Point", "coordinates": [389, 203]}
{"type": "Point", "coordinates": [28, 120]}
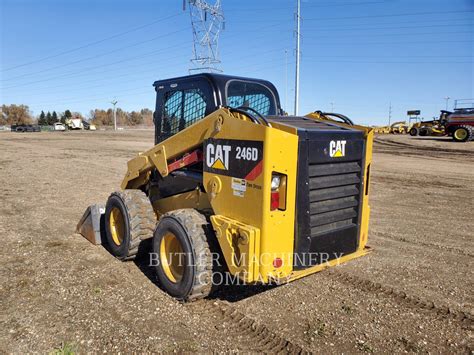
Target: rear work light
{"type": "Point", "coordinates": [278, 192]}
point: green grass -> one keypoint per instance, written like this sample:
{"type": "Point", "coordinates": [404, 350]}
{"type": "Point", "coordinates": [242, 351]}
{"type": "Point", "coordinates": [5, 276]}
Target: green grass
{"type": "Point", "coordinates": [315, 329]}
{"type": "Point", "coordinates": [364, 347]}
{"type": "Point", "coordinates": [65, 349]}
{"type": "Point", "coordinates": [346, 308]}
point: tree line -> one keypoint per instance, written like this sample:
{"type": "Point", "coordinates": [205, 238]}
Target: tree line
{"type": "Point", "coordinates": [49, 118]}
{"type": "Point", "coordinates": [21, 114]}
{"type": "Point", "coordinates": [101, 117]}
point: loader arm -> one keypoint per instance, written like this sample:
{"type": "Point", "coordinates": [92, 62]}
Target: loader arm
{"type": "Point", "coordinates": [140, 167]}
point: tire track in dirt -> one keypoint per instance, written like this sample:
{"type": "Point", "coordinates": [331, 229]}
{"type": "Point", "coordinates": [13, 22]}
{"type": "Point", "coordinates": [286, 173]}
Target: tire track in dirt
{"type": "Point", "coordinates": [252, 335]}
{"type": "Point", "coordinates": [414, 150]}
{"type": "Point", "coordinates": [417, 147]}
{"type": "Point", "coordinates": [425, 244]}
{"type": "Point", "coordinates": [465, 318]}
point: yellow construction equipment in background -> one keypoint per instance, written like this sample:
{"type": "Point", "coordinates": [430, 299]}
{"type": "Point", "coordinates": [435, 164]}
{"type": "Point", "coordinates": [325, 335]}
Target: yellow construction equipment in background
{"type": "Point", "coordinates": [395, 128]}
{"type": "Point", "coordinates": [399, 127]}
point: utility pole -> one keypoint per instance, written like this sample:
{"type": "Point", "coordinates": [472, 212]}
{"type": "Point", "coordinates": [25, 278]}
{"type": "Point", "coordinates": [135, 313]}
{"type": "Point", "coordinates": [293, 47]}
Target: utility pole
{"type": "Point", "coordinates": [447, 101]}
{"type": "Point", "coordinates": [286, 79]}
{"type": "Point", "coordinates": [390, 113]}
{"type": "Point", "coordinates": [332, 106]}
{"type": "Point", "coordinates": [297, 71]}
{"type": "Point", "coordinates": [114, 102]}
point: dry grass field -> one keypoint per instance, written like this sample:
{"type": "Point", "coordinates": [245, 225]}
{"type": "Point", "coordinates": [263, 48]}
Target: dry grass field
{"type": "Point", "coordinates": [413, 293]}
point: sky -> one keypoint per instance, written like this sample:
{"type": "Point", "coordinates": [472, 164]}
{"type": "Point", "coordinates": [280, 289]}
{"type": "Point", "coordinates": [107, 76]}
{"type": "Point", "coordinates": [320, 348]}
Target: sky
{"type": "Point", "coordinates": [358, 57]}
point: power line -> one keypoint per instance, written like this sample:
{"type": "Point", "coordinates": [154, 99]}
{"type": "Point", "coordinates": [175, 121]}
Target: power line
{"type": "Point", "coordinates": [95, 56]}
{"type": "Point", "coordinates": [338, 29]}
{"type": "Point", "coordinates": [115, 76]}
{"type": "Point", "coordinates": [308, 6]}
{"type": "Point", "coordinates": [393, 56]}
{"type": "Point", "coordinates": [387, 15]}
{"type": "Point", "coordinates": [324, 26]}
{"type": "Point", "coordinates": [388, 62]}
{"type": "Point", "coordinates": [392, 34]}
{"type": "Point", "coordinates": [92, 43]}
{"type": "Point", "coordinates": [404, 42]}
{"type": "Point", "coordinates": [100, 66]}
{"type": "Point", "coordinates": [150, 91]}
{"type": "Point", "coordinates": [147, 54]}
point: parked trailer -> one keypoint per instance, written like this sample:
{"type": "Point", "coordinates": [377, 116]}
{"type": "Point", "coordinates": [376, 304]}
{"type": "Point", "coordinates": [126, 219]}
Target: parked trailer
{"type": "Point", "coordinates": [25, 128]}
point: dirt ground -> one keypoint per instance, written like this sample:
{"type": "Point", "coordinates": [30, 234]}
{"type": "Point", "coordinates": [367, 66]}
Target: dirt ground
{"type": "Point", "coordinates": [414, 293]}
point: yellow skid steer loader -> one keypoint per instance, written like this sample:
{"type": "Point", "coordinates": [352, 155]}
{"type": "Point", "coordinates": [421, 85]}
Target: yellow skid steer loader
{"type": "Point", "coordinates": [230, 179]}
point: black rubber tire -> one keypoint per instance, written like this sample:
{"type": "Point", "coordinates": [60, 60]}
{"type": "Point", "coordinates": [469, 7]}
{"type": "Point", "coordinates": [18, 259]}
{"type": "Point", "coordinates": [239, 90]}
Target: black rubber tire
{"type": "Point", "coordinates": [469, 131]}
{"type": "Point", "coordinates": [139, 220]}
{"type": "Point", "coordinates": [193, 232]}
{"type": "Point", "coordinates": [414, 132]}
{"type": "Point", "coordinates": [424, 132]}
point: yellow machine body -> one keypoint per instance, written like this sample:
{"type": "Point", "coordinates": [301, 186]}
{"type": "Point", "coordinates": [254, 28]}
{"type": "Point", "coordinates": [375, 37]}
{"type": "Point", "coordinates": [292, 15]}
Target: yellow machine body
{"type": "Point", "coordinates": [257, 242]}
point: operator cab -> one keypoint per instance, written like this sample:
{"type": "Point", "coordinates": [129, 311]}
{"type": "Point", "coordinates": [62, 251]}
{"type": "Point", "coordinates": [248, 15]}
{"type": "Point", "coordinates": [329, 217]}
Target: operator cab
{"type": "Point", "coordinates": [182, 101]}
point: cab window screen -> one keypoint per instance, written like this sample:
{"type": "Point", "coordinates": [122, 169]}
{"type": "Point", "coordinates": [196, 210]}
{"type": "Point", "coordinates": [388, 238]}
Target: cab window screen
{"type": "Point", "coordinates": [181, 109]}
{"type": "Point", "coordinates": [253, 95]}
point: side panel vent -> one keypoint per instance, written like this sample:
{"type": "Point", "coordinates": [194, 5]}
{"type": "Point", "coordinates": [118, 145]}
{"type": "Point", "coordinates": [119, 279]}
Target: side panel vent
{"type": "Point", "coordinates": [334, 196]}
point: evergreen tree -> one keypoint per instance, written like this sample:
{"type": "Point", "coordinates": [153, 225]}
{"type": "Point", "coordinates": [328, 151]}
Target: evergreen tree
{"type": "Point", "coordinates": [42, 119]}
{"type": "Point", "coordinates": [66, 115]}
{"type": "Point", "coordinates": [54, 117]}
{"type": "Point", "coordinates": [49, 119]}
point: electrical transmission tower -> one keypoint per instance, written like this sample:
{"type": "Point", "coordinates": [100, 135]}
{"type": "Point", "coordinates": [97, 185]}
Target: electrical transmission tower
{"type": "Point", "coordinates": [207, 22]}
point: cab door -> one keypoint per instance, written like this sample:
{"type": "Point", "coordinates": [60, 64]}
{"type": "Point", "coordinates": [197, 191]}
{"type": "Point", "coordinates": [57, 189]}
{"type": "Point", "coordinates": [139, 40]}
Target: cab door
{"type": "Point", "coordinates": [180, 104]}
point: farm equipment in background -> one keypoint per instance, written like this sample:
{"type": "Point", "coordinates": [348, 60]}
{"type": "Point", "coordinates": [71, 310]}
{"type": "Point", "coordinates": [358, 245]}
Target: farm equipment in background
{"type": "Point", "coordinates": [427, 128]}
{"type": "Point", "coordinates": [460, 123]}
{"type": "Point", "coordinates": [435, 127]}
{"type": "Point", "coordinates": [395, 128]}
{"type": "Point", "coordinates": [79, 124]}
{"type": "Point", "coordinates": [381, 129]}
{"type": "Point", "coordinates": [74, 123]}
{"type": "Point", "coordinates": [275, 197]}
{"type": "Point", "coordinates": [398, 127]}
{"type": "Point", "coordinates": [88, 126]}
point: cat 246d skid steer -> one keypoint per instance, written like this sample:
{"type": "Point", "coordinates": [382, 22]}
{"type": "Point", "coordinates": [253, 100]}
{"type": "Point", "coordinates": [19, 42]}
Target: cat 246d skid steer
{"type": "Point", "coordinates": [232, 180]}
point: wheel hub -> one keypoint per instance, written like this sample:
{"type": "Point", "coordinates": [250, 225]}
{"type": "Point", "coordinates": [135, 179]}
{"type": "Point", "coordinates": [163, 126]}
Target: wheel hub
{"type": "Point", "coordinates": [172, 257]}
{"type": "Point", "coordinates": [460, 134]}
{"type": "Point", "coordinates": [117, 226]}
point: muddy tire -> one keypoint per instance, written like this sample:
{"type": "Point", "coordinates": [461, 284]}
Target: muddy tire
{"type": "Point", "coordinates": [129, 219]}
{"type": "Point", "coordinates": [463, 133]}
{"type": "Point", "coordinates": [181, 246]}
{"type": "Point", "coordinates": [414, 132]}
{"type": "Point", "coordinates": [424, 132]}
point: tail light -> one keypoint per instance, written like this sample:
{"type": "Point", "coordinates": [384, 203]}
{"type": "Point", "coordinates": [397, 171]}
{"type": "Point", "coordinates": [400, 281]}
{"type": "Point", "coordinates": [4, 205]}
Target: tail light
{"type": "Point", "coordinates": [275, 200]}
{"type": "Point", "coordinates": [278, 192]}
{"type": "Point", "coordinates": [277, 263]}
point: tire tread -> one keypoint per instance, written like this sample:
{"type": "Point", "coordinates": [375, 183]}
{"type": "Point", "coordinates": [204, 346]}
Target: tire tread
{"type": "Point", "coordinates": [197, 228]}
{"type": "Point", "coordinates": [141, 217]}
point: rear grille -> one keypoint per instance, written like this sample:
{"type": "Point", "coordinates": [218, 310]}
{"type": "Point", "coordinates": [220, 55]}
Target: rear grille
{"type": "Point", "coordinates": [334, 196]}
